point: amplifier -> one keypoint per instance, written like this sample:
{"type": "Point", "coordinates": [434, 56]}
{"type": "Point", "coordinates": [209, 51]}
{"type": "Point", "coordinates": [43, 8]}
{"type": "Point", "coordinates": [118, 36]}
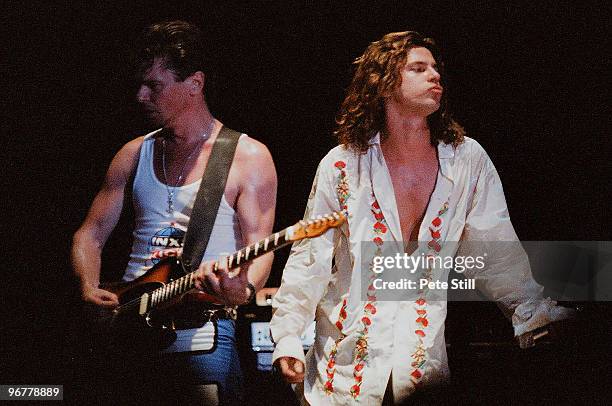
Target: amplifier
{"type": "Point", "coordinates": [257, 318]}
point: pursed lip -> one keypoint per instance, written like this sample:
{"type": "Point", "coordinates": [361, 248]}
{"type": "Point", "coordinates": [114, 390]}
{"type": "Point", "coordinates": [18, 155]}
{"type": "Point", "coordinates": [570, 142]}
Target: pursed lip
{"type": "Point", "coordinates": [437, 89]}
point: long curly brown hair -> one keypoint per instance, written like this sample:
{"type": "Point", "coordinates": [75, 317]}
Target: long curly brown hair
{"type": "Point", "coordinates": [377, 74]}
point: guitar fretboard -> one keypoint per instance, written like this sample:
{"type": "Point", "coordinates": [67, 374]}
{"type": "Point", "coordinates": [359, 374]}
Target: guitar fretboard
{"type": "Point", "coordinates": [181, 285]}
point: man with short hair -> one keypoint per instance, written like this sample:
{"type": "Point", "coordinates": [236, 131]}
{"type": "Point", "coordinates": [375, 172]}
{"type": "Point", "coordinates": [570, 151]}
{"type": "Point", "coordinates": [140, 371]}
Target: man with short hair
{"type": "Point", "coordinates": [405, 175]}
{"type": "Point", "coordinates": [167, 166]}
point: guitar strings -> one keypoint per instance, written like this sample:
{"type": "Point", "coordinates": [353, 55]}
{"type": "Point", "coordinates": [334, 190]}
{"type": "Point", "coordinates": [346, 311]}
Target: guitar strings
{"type": "Point", "coordinates": [240, 253]}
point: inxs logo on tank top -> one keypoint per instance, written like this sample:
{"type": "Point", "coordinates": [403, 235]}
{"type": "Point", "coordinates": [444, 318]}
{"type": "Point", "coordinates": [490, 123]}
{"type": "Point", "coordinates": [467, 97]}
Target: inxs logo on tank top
{"type": "Point", "coordinates": [166, 238]}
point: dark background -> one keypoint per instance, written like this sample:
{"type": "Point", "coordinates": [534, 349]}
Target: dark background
{"type": "Point", "coordinates": [529, 81]}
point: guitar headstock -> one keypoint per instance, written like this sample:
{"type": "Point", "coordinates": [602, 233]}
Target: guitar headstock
{"type": "Point", "coordinates": [316, 226]}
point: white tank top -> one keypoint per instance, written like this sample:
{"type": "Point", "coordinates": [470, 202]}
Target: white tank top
{"type": "Point", "coordinates": [156, 229]}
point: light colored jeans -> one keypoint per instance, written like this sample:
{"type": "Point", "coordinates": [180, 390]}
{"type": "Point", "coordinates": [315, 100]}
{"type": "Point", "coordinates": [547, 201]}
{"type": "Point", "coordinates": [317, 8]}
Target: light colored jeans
{"type": "Point", "coordinates": [198, 377]}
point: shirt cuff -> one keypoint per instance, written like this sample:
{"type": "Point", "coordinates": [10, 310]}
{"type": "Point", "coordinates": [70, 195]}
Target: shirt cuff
{"type": "Point", "coordinates": [535, 314]}
{"type": "Point", "coordinates": [289, 346]}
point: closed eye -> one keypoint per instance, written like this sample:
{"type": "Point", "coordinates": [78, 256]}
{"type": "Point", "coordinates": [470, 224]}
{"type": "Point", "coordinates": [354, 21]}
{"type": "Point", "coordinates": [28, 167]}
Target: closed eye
{"type": "Point", "coordinates": [420, 67]}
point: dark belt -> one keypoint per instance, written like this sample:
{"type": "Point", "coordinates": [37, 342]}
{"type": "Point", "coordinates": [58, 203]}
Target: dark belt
{"type": "Point", "coordinates": [198, 316]}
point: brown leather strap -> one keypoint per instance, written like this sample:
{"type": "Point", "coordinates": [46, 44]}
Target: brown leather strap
{"type": "Point", "coordinates": [208, 199]}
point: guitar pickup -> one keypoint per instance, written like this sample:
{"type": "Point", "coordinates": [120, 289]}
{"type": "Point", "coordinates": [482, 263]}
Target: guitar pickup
{"type": "Point", "coordinates": [144, 304]}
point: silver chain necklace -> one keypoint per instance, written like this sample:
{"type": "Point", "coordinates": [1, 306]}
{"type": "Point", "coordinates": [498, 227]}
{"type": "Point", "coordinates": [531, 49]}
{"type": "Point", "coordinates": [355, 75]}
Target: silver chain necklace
{"type": "Point", "coordinates": [169, 190]}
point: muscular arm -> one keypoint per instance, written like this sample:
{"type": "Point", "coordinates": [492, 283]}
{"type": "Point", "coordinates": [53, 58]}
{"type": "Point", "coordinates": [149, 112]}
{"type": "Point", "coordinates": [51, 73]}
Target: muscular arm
{"type": "Point", "coordinates": [256, 203]}
{"type": "Point", "coordinates": [103, 215]}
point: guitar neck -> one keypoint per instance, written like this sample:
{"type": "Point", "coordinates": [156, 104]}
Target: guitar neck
{"type": "Point", "coordinates": [303, 229]}
{"type": "Point", "coordinates": [181, 285]}
{"type": "Point", "coordinates": [261, 247]}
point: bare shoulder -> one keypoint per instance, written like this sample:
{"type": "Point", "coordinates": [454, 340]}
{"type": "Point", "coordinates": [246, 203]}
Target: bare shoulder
{"type": "Point", "coordinates": [124, 162]}
{"type": "Point", "coordinates": [131, 149]}
{"type": "Point", "coordinates": [251, 153]}
{"type": "Point", "coordinates": [254, 165]}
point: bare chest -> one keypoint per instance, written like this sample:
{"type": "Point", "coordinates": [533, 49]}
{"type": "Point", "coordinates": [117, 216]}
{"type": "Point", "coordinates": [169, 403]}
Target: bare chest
{"type": "Point", "coordinates": [412, 186]}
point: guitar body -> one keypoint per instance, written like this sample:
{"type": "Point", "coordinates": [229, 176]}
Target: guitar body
{"type": "Point", "coordinates": [131, 330]}
{"type": "Point", "coordinates": [154, 278]}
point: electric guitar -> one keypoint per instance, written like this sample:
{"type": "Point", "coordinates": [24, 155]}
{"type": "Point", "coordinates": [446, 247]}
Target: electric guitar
{"type": "Point", "coordinates": [143, 318]}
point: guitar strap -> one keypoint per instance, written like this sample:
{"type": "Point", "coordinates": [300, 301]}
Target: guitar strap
{"type": "Point", "coordinates": [209, 196]}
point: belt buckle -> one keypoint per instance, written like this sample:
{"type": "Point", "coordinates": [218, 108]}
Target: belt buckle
{"type": "Point", "coordinates": [205, 316]}
{"type": "Point", "coordinates": [228, 312]}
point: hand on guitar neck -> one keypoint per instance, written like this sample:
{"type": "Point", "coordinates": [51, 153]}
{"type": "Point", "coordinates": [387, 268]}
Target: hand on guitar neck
{"type": "Point", "coordinates": [230, 285]}
{"type": "Point", "coordinates": [227, 278]}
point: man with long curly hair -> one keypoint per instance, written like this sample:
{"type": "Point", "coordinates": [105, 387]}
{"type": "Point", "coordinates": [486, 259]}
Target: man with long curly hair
{"type": "Point", "coordinates": [406, 176]}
